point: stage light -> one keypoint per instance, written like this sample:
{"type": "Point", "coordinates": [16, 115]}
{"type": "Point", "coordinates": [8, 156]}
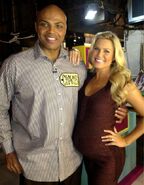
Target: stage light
{"type": "Point", "coordinates": [91, 11]}
{"type": "Point", "coordinates": [90, 14]}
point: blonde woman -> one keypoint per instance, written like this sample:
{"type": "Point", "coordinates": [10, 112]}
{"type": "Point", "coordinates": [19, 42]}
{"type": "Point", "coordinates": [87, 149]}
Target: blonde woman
{"type": "Point", "coordinates": [105, 89]}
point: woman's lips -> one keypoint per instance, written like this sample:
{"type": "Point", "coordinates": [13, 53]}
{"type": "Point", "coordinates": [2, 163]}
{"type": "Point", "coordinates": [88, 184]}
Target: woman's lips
{"type": "Point", "coordinates": [98, 60]}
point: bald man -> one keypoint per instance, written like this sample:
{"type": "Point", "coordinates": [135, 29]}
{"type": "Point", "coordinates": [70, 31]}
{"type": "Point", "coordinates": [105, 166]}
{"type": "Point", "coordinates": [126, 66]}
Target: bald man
{"type": "Point", "coordinates": [43, 87]}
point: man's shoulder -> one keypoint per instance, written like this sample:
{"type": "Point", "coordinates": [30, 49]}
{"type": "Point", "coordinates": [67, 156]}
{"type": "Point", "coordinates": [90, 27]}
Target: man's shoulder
{"type": "Point", "coordinates": [19, 57]}
{"type": "Point", "coordinates": [23, 53]}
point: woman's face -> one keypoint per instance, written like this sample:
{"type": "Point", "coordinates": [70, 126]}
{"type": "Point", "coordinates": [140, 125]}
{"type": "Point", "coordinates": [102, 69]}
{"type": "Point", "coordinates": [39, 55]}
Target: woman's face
{"type": "Point", "coordinates": [102, 54]}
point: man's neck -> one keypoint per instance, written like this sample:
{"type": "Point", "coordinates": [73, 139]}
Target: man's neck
{"type": "Point", "coordinates": [52, 54]}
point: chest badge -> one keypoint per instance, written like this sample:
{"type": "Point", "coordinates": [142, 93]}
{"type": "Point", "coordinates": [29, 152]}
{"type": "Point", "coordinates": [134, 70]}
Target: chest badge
{"type": "Point", "coordinates": [69, 79]}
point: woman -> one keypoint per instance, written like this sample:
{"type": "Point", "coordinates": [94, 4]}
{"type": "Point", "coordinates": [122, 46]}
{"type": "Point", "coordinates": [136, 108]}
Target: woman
{"type": "Point", "coordinates": [106, 88]}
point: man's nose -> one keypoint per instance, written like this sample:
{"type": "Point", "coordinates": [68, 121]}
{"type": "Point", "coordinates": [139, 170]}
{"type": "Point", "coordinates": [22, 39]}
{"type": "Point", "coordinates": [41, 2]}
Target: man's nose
{"type": "Point", "coordinates": [51, 29]}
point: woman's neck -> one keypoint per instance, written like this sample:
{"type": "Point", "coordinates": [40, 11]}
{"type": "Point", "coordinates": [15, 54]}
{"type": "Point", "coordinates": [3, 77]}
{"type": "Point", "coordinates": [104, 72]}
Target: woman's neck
{"type": "Point", "coordinates": [102, 75]}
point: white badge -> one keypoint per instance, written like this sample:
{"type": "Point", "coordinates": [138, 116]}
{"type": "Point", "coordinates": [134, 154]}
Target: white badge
{"type": "Point", "coordinates": [69, 79]}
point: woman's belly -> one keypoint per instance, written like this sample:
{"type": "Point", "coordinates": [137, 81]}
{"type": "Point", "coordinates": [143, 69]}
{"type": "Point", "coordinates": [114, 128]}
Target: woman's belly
{"type": "Point", "coordinates": [87, 137]}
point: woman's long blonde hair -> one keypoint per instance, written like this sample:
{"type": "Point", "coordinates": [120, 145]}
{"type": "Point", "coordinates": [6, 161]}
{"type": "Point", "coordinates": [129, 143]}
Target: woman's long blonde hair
{"type": "Point", "coordinates": [120, 75]}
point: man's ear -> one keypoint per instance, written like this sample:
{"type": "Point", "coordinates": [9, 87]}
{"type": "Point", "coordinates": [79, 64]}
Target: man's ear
{"type": "Point", "coordinates": [36, 27]}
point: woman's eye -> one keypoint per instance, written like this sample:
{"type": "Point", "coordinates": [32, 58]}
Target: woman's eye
{"type": "Point", "coordinates": [107, 51]}
{"type": "Point", "coordinates": [96, 49]}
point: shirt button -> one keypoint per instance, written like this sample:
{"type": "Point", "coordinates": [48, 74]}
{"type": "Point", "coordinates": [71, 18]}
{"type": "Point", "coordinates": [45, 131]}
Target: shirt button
{"type": "Point", "coordinates": [61, 123]}
{"type": "Point", "coordinates": [59, 93]}
{"type": "Point", "coordinates": [60, 108]}
{"type": "Point", "coordinates": [60, 138]}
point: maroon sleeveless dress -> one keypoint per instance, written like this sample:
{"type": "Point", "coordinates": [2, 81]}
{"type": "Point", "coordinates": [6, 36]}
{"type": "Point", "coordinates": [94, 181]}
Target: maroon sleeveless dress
{"type": "Point", "coordinates": [103, 163]}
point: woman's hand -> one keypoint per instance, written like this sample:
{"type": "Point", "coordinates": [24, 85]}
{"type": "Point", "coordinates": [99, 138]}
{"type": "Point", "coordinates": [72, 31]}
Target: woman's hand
{"type": "Point", "coordinates": [74, 56]}
{"type": "Point", "coordinates": [114, 138]}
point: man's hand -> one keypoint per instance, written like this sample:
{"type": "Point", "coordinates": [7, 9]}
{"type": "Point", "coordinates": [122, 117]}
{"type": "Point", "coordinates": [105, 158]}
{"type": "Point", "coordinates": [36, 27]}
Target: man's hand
{"type": "Point", "coordinates": [74, 56]}
{"type": "Point", "coordinates": [120, 114]}
{"type": "Point", "coordinates": [13, 163]}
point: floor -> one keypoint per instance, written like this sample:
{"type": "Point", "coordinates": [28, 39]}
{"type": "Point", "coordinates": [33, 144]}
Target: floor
{"type": "Point", "coordinates": [8, 178]}
{"type": "Point", "coordinates": [135, 177]}
{"type": "Point", "coordinates": [140, 180]}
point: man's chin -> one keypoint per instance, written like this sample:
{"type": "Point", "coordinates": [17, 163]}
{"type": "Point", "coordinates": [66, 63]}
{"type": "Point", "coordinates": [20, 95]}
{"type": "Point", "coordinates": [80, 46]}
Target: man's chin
{"type": "Point", "coordinates": [50, 46]}
{"type": "Point", "coordinates": [51, 49]}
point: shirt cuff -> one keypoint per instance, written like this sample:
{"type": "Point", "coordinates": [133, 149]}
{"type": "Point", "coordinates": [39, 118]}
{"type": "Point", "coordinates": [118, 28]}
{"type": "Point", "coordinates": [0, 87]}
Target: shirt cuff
{"type": "Point", "coordinates": [8, 146]}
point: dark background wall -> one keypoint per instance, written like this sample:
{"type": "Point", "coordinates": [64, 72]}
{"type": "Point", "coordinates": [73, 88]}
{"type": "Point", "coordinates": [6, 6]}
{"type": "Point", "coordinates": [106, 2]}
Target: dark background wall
{"type": "Point", "coordinates": [17, 21]}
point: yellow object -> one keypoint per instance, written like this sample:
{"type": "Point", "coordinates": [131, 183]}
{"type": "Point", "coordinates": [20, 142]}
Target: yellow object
{"type": "Point", "coordinates": [84, 53]}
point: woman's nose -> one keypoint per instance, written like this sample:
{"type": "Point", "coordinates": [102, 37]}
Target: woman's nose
{"type": "Point", "coordinates": [99, 53]}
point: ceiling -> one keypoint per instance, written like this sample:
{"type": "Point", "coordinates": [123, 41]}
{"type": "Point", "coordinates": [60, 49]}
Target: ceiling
{"type": "Point", "coordinates": [17, 20]}
{"type": "Point", "coordinates": [112, 15]}
{"type": "Point", "coordinates": [108, 13]}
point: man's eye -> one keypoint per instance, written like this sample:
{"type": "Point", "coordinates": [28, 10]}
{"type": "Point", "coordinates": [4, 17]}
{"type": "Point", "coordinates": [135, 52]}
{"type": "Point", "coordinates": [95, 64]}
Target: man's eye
{"type": "Point", "coordinates": [59, 26]}
{"type": "Point", "coordinates": [43, 24]}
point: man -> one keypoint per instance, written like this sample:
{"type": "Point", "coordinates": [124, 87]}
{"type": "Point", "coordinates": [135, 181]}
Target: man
{"type": "Point", "coordinates": [43, 86]}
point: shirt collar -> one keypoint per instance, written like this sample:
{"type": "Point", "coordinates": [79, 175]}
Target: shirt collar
{"type": "Point", "coordinates": [38, 52]}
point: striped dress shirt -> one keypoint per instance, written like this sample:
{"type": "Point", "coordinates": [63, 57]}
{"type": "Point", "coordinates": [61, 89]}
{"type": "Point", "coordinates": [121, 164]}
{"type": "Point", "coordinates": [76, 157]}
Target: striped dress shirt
{"type": "Point", "coordinates": [44, 106]}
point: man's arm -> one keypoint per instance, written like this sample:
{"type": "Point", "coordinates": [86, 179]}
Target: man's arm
{"type": "Point", "coordinates": [7, 92]}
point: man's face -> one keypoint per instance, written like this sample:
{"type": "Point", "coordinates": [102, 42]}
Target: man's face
{"type": "Point", "coordinates": [51, 28]}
